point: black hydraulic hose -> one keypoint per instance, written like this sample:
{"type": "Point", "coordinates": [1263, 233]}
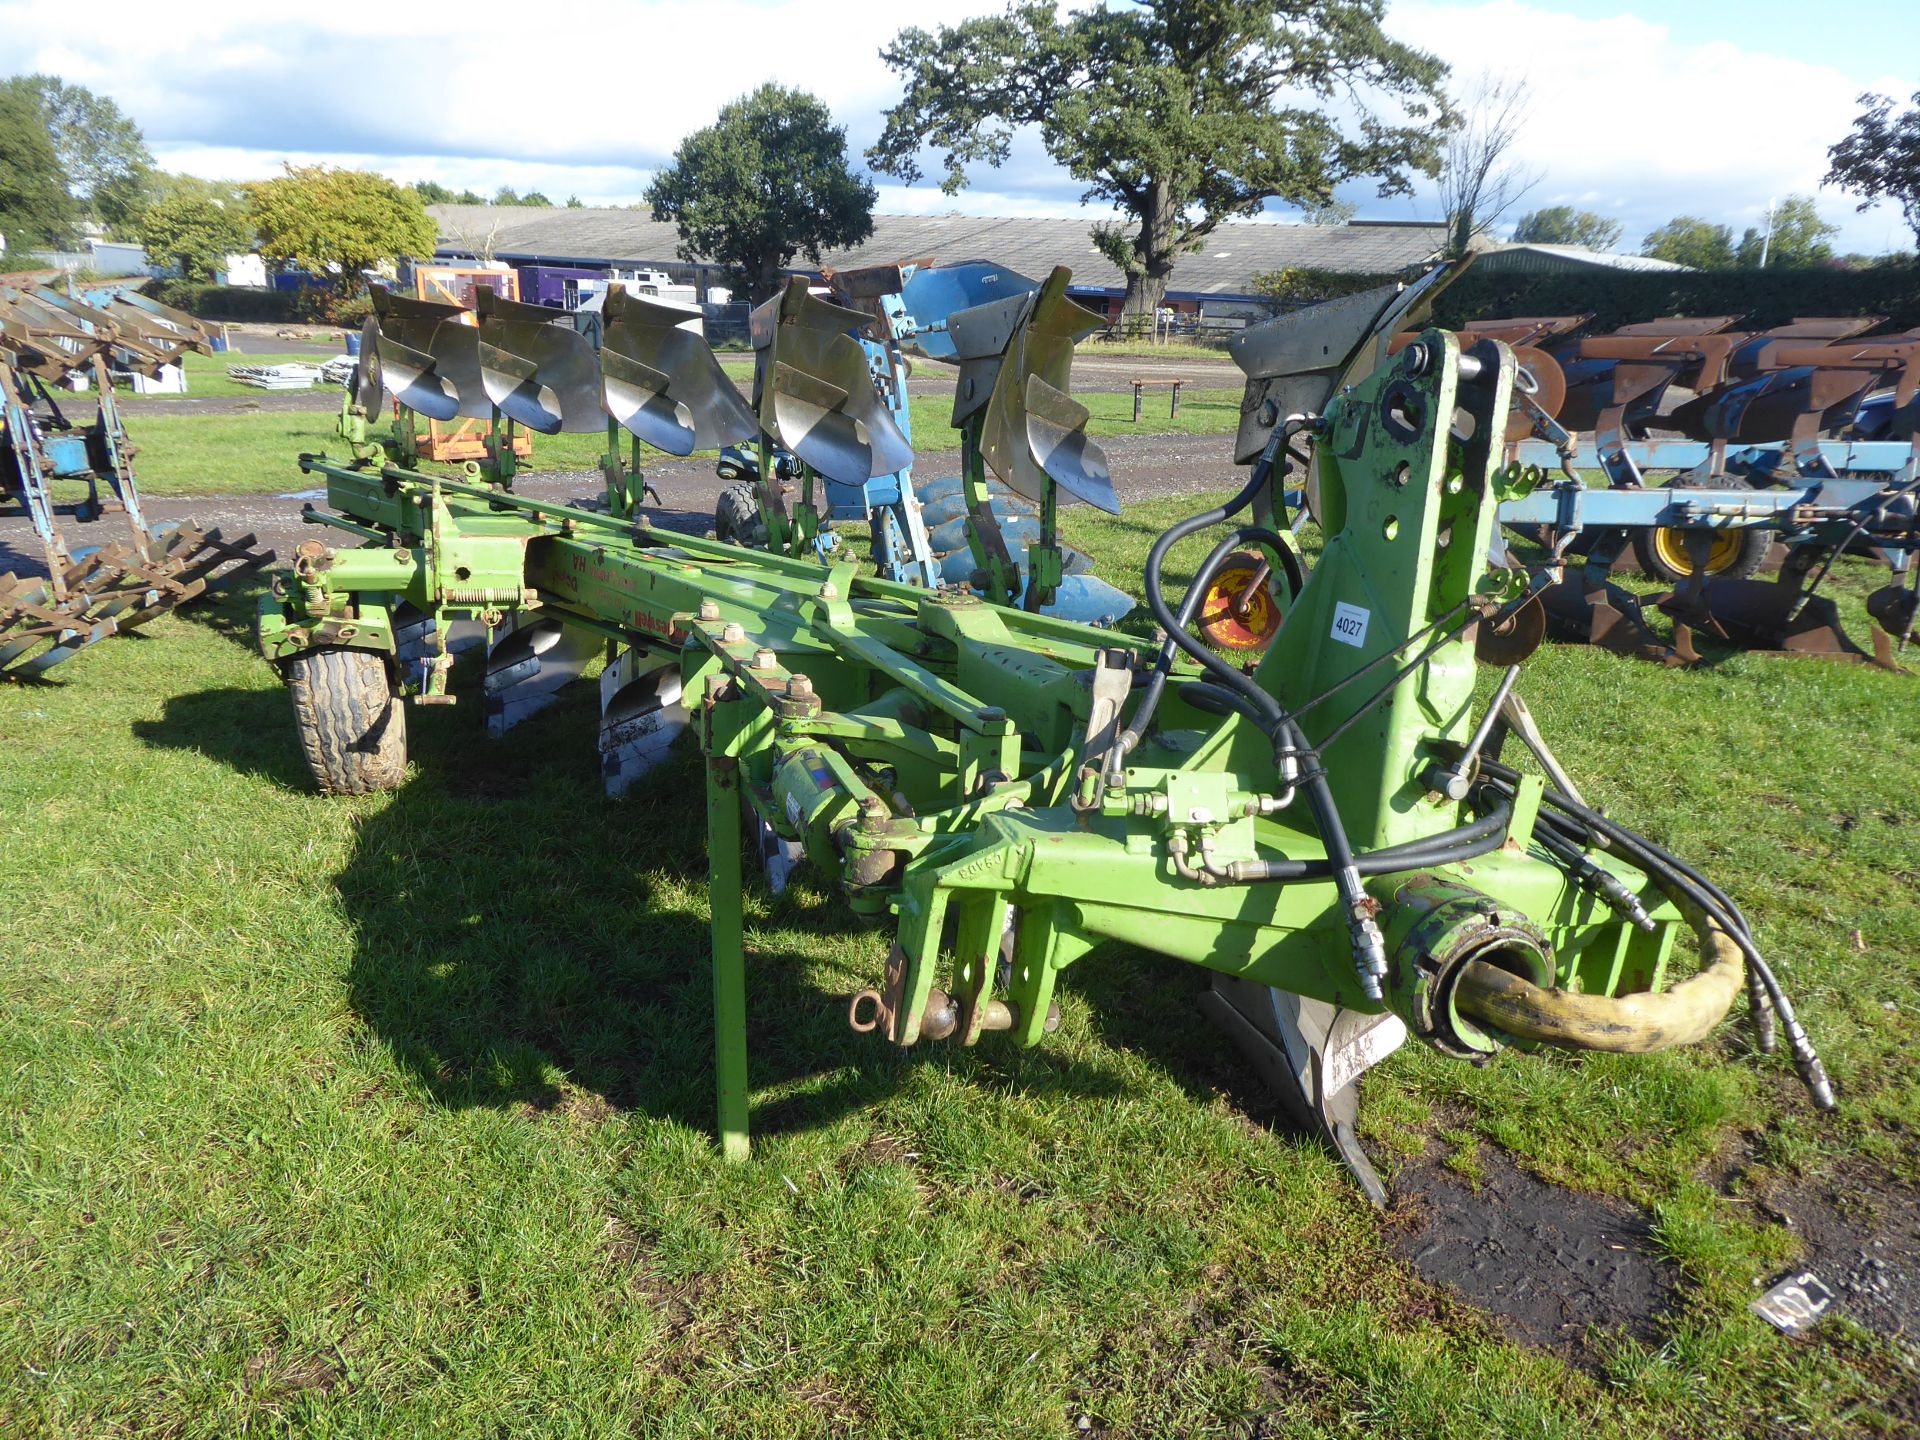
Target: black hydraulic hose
{"type": "Point", "coordinates": [1676, 875]}
{"type": "Point", "coordinates": [1464, 843]}
{"type": "Point", "coordinates": [1163, 665]}
{"type": "Point", "coordinates": [1176, 628]}
{"type": "Point", "coordinates": [1216, 699]}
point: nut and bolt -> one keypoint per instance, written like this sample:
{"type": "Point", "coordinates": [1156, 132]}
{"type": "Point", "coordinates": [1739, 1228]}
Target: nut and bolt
{"type": "Point", "coordinates": [709, 609]}
{"type": "Point", "coordinates": [733, 634]}
{"type": "Point", "coordinates": [829, 591]}
{"type": "Point", "coordinates": [800, 687]}
{"type": "Point", "coordinates": [765, 659]}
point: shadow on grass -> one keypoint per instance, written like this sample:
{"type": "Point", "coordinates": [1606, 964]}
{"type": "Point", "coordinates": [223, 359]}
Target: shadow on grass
{"type": "Point", "coordinates": [250, 731]}
{"type": "Point", "coordinates": [1149, 1005]}
{"type": "Point", "coordinates": [522, 941]}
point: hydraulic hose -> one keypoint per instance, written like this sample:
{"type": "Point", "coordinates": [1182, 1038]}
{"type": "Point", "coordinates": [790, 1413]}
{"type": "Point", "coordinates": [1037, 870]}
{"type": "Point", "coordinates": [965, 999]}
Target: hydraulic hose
{"type": "Point", "coordinates": [1143, 714]}
{"type": "Point", "coordinates": [1175, 628]}
{"type": "Point", "coordinates": [1687, 887]}
{"type": "Point", "coordinates": [1464, 843]}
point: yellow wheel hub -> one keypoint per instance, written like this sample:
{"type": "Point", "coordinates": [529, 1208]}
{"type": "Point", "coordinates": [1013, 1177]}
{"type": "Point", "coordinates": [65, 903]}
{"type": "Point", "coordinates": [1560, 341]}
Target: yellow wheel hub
{"type": "Point", "coordinates": [1723, 551]}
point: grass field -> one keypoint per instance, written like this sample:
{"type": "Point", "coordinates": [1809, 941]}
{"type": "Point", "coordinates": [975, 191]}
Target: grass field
{"type": "Point", "coordinates": [391, 1117]}
{"type": "Point", "coordinates": [247, 452]}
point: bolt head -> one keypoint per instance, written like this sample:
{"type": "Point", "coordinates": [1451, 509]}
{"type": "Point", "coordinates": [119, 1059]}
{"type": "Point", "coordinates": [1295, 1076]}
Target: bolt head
{"type": "Point", "coordinates": [709, 609]}
{"type": "Point", "coordinates": [764, 659]}
{"type": "Point", "coordinates": [800, 687]}
{"type": "Point", "coordinates": [733, 634]}
{"type": "Point", "coordinates": [829, 591]}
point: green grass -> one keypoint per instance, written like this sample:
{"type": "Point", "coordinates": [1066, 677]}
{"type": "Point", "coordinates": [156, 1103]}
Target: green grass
{"type": "Point", "coordinates": [391, 1117]}
{"type": "Point", "coordinates": [1181, 349]}
{"type": "Point", "coordinates": [250, 452]}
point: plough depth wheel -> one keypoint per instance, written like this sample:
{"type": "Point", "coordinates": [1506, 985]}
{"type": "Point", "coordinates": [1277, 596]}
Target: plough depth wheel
{"type": "Point", "coordinates": [1734, 554]}
{"type": "Point", "coordinates": [352, 731]}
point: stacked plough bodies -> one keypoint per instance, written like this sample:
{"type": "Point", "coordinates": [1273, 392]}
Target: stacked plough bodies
{"type": "Point", "coordinates": [57, 353]}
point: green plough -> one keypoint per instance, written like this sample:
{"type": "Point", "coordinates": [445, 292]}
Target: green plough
{"type": "Point", "coordinates": [1334, 836]}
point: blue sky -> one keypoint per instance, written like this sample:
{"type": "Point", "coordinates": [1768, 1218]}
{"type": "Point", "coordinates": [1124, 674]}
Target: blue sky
{"type": "Point", "coordinates": [1640, 110]}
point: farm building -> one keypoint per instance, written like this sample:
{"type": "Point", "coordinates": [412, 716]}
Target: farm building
{"type": "Point", "coordinates": [1534, 259]}
{"type": "Point", "coordinates": [1217, 282]}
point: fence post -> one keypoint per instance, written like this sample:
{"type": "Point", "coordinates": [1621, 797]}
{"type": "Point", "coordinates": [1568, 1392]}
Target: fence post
{"type": "Point", "coordinates": [1136, 402]}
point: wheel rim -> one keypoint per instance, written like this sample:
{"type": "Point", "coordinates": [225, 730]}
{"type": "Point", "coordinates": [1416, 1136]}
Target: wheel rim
{"type": "Point", "coordinates": [1723, 551]}
{"type": "Point", "coordinates": [1240, 611]}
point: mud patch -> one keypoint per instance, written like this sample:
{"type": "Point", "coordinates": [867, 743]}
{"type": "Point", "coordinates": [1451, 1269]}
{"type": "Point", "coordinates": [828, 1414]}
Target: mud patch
{"type": "Point", "coordinates": [1548, 1264]}
{"type": "Point", "coordinates": [1859, 1232]}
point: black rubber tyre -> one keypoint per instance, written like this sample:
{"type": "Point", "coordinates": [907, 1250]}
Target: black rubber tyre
{"type": "Point", "coordinates": [352, 731]}
{"type": "Point", "coordinates": [1731, 554]}
{"type": "Point", "coordinates": [736, 517]}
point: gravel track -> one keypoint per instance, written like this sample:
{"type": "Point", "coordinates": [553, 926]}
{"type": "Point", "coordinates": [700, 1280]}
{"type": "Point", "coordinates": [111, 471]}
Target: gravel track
{"type": "Point", "coordinates": [1144, 467]}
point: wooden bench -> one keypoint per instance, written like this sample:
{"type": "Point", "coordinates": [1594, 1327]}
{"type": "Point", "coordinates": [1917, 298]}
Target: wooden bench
{"type": "Point", "coordinates": [1141, 385]}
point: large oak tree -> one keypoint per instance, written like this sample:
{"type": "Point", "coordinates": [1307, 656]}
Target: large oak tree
{"type": "Point", "coordinates": [1182, 113]}
{"type": "Point", "coordinates": [35, 206]}
{"type": "Point", "coordinates": [102, 156]}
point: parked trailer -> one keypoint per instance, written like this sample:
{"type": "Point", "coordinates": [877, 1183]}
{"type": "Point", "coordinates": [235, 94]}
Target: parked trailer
{"type": "Point", "coordinates": [558, 287]}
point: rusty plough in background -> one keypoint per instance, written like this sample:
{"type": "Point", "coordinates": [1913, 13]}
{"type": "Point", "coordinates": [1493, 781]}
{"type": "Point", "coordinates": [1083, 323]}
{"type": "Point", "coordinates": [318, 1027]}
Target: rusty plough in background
{"type": "Point", "coordinates": [1801, 437]}
{"type": "Point", "coordinates": [1765, 440]}
{"type": "Point", "coordinates": [54, 348]}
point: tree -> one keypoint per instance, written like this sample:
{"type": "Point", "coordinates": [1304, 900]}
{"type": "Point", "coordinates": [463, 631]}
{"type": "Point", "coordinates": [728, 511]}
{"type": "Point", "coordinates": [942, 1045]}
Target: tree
{"type": "Point", "coordinates": [1880, 157]}
{"type": "Point", "coordinates": [1799, 237]}
{"type": "Point", "coordinates": [100, 150]}
{"type": "Point", "coordinates": [338, 222]}
{"type": "Point", "coordinates": [1479, 181]}
{"type": "Point", "coordinates": [432, 192]}
{"type": "Point", "coordinates": [767, 181]}
{"type": "Point", "coordinates": [1564, 225]}
{"type": "Point", "coordinates": [1688, 240]}
{"type": "Point", "coordinates": [1296, 286]}
{"type": "Point", "coordinates": [35, 207]}
{"type": "Point", "coordinates": [507, 195]}
{"type": "Point", "coordinates": [1181, 113]}
{"type": "Point", "coordinates": [195, 224]}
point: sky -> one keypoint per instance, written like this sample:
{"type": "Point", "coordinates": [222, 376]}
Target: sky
{"type": "Point", "coordinates": [1641, 110]}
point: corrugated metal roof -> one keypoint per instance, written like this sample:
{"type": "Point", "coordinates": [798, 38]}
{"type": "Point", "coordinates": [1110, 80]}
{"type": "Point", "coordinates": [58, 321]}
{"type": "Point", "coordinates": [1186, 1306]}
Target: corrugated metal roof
{"type": "Point", "coordinates": [1234, 254]}
{"type": "Point", "coordinates": [1537, 259]}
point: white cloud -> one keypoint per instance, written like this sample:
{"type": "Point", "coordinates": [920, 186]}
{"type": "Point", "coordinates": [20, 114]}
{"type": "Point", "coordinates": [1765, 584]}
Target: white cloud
{"type": "Point", "coordinates": [589, 98]}
{"type": "Point", "coordinates": [1630, 122]}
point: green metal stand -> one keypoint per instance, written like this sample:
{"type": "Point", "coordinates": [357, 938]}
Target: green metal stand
{"type": "Point", "coordinates": [729, 953]}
